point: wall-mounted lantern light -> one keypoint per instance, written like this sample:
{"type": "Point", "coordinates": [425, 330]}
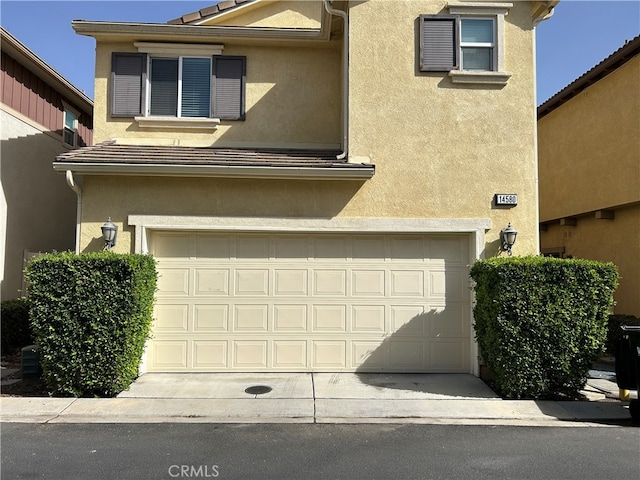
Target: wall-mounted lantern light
{"type": "Point", "coordinates": [508, 238]}
{"type": "Point", "coordinates": [109, 233]}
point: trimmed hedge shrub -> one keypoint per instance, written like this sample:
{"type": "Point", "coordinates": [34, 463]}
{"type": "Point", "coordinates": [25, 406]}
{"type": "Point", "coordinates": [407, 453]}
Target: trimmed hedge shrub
{"type": "Point", "coordinates": [614, 332]}
{"type": "Point", "coordinates": [16, 332]}
{"type": "Point", "coordinates": [91, 315]}
{"type": "Point", "coordinates": [541, 322]}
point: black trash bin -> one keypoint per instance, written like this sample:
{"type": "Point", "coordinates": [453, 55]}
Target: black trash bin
{"type": "Point", "coordinates": [628, 365]}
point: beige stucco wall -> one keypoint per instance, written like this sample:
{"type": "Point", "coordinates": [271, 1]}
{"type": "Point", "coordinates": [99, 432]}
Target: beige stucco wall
{"type": "Point", "coordinates": [589, 148]}
{"type": "Point", "coordinates": [292, 97]}
{"type": "Point", "coordinates": [590, 160]}
{"type": "Point", "coordinates": [616, 241]}
{"type": "Point", "coordinates": [305, 14]}
{"type": "Point", "coordinates": [441, 150]}
{"type": "Point", "coordinates": [37, 209]}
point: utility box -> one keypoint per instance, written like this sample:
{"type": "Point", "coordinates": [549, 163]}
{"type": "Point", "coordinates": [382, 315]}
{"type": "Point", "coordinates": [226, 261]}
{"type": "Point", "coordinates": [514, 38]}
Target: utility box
{"type": "Point", "coordinates": [30, 365]}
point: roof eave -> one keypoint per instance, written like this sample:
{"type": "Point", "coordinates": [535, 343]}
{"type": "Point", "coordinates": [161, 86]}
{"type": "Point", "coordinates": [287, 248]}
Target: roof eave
{"type": "Point", "coordinates": [26, 57]}
{"type": "Point", "coordinates": [219, 171]}
{"type": "Point", "coordinates": [155, 31]}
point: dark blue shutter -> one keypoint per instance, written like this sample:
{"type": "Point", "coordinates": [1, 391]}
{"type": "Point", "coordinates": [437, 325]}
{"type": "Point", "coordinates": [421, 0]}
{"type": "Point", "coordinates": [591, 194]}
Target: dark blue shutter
{"type": "Point", "coordinates": [229, 80]}
{"type": "Point", "coordinates": [128, 77]}
{"type": "Point", "coordinates": [439, 40]}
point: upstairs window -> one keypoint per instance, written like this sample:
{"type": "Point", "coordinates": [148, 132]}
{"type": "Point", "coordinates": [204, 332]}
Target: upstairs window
{"type": "Point", "coordinates": [70, 127]}
{"type": "Point", "coordinates": [468, 43]}
{"type": "Point", "coordinates": [477, 44]}
{"type": "Point", "coordinates": [179, 87]}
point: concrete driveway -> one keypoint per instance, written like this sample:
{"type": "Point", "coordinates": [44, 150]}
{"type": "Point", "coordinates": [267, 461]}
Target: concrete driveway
{"type": "Point", "coordinates": [309, 398]}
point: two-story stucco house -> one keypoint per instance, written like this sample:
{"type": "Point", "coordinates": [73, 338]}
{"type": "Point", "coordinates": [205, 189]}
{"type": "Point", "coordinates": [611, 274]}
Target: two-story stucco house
{"type": "Point", "coordinates": [41, 115]}
{"type": "Point", "coordinates": [314, 177]}
{"type": "Point", "coordinates": [589, 137]}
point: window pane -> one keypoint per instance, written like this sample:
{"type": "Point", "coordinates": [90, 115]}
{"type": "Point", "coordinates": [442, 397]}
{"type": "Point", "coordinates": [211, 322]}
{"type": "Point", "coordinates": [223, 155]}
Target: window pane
{"type": "Point", "coordinates": [69, 137]}
{"type": "Point", "coordinates": [477, 31]}
{"type": "Point", "coordinates": [69, 120]}
{"type": "Point", "coordinates": [196, 87]}
{"type": "Point", "coordinates": [164, 87]}
{"type": "Point", "coordinates": [477, 58]}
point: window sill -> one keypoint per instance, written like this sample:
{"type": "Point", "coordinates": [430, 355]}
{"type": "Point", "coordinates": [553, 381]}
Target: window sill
{"type": "Point", "coordinates": [180, 123]}
{"type": "Point", "coordinates": [482, 78]}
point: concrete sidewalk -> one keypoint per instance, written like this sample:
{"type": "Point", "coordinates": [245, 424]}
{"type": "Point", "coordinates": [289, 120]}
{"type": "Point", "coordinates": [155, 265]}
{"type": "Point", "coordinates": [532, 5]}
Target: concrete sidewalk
{"type": "Point", "coordinates": [316, 398]}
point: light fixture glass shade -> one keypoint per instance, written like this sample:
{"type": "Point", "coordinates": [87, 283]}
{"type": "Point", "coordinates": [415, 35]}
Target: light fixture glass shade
{"type": "Point", "coordinates": [109, 233]}
{"type": "Point", "coordinates": [508, 237]}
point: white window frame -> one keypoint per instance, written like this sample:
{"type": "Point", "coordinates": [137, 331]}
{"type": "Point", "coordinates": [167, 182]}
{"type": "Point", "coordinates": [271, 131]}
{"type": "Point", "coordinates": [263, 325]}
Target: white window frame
{"type": "Point", "coordinates": [149, 86]}
{"type": "Point", "coordinates": [68, 109]}
{"type": "Point", "coordinates": [484, 45]}
{"type": "Point", "coordinates": [173, 50]}
{"type": "Point", "coordinates": [484, 10]}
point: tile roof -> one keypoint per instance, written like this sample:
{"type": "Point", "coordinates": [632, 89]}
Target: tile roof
{"type": "Point", "coordinates": [614, 61]}
{"type": "Point", "coordinates": [207, 12]}
{"type": "Point", "coordinates": [110, 152]}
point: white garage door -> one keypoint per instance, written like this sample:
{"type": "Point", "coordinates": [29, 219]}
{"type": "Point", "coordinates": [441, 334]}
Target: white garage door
{"type": "Point", "coordinates": [310, 302]}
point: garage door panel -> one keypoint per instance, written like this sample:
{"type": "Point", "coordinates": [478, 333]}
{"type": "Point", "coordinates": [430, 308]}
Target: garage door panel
{"type": "Point", "coordinates": [448, 285]}
{"type": "Point", "coordinates": [209, 354]}
{"type": "Point", "coordinates": [209, 247]}
{"type": "Point", "coordinates": [407, 247]}
{"type": "Point", "coordinates": [171, 318]}
{"type": "Point", "coordinates": [368, 248]}
{"type": "Point", "coordinates": [290, 354]}
{"type": "Point", "coordinates": [250, 354]}
{"type": "Point", "coordinates": [251, 247]}
{"type": "Point", "coordinates": [452, 321]}
{"type": "Point", "coordinates": [368, 318]}
{"type": "Point", "coordinates": [329, 318]}
{"type": "Point", "coordinates": [407, 283]}
{"type": "Point", "coordinates": [289, 248]}
{"type": "Point", "coordinates": [330, 283]}
{"type": "Point", "coordinates": [172, 246]}
{"type": "Point", "coordinates": [212, 281]}
{"type": "Point", "coordinates": [291, 282]}
{"type": "Point", "coordinates": [290, 318]}
{"type": "Point", "coordinates": [252, 282]}
{"type": "Point", "coordinates": [406, 355]}
{"type": "Point", "coordinates": [449, 356]}
{"type": "Point", "coordinates": [330, 354]}
{"type": "Point", "coordinates": [367, 283]}
{"type": "Point", "coordinates": [211, 318]}
{"type": "Point", "coordinates": [173, 281]}
{"type": "Point", "coordinates": [446, 250]}
{"type": "Point", "coordinates": [317, 302]}
{"type": "Point", "coordinates": [250, 318]}
{"type": "Point", "coordinates": [370, 356]}
{"type": "Point", "coordinates": [329, 248]}
{"type": "Point", "coordinates": [169, 354]}
{"type": "Point", "coordinates": [407, 319]}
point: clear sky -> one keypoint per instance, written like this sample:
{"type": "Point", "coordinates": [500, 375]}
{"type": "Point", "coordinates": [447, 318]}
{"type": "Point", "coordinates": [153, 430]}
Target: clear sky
{"type": "Point", "coordinates": [580, 35]}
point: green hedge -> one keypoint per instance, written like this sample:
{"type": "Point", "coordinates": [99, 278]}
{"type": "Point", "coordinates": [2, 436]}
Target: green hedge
{"type": "Point", "coordinates": [14, 325]}
{"type": "Point", "coordinates": [91, 315]}
{"type": "Point", "coordinates": [541, 322]}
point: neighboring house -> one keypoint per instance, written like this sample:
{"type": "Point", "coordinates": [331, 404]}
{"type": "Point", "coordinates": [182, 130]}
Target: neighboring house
{"type": "Point", "coordinates": [589, 149]}
{"type": "Point", "coordinates": [314, 178]}
{"type": "Point", "coordinates": [43, 115]}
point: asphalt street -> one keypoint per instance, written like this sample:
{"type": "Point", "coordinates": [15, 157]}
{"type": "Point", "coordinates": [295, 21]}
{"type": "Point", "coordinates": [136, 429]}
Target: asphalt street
{"type": "Point", "coordinates": [294, 451]}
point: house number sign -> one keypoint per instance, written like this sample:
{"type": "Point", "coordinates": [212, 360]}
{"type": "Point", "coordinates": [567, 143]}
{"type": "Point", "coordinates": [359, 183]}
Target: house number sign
{"type": "Point", "coordinates": [506, 199]}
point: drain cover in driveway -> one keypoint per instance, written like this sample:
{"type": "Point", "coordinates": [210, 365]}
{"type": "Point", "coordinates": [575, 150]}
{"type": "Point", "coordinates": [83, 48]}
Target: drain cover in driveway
{"type": "Point", "coordinates": [257, 390]}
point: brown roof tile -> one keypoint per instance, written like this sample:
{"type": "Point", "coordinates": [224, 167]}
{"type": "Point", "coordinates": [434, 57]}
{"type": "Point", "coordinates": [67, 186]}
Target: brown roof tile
{"type": "Point", "coordinates": [112, 153]}
{"type": "Point", "coordinates": [211, 11]}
